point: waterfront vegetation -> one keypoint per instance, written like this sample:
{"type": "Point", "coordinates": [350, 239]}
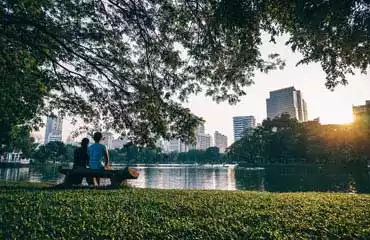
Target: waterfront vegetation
{"type": "Point", "coordinates": [53, 152]}
{"type": "Point", "coordinates": [60, 152]}
{"type": "Point", "coordinates": [286, 141]}
{"type": "Point", "coordinates": [41, 212]}
{"type": "Point", "coordinates": [277, 141]}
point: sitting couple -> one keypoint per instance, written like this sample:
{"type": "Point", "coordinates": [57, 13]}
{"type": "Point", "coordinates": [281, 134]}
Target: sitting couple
{"type": "Point", "coordinates": [91, 156]}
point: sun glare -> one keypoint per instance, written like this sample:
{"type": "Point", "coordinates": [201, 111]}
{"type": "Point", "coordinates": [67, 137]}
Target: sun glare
{"type": "Point", "coordinates": [337, 117]}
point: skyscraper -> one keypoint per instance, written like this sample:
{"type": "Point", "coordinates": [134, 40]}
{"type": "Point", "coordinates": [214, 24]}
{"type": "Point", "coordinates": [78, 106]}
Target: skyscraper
{"type": "Point", "coordinates": [203, 141]}
{"type": "Point", "coordinates": [305, 113]}
{"type": "Point", "coordinates": [200, 129]}
{"type": "Point", "coordinates": [175, 145]}
{"type": "Point", "coordinates": [53, 131]}
{"type": "Point", "coordinates": [220, 141]}
{"type": "Point", "coordinates": [242, 125]}
{"type": "Point", "coordinates": [287, 101]}
{"type": "Point", "coordinates": [361, 112]}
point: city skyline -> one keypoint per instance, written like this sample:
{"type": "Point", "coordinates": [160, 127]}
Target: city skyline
{"type": "Point", "coordinates": [330, 106]}
{"type": "Point", "coordinates": [204, 140]}
{"type": "Point", "coordinates": [227, 129]}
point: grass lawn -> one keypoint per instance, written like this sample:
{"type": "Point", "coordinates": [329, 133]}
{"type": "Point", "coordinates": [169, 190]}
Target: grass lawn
{"type": "Point", "coordinates": [34, 211]}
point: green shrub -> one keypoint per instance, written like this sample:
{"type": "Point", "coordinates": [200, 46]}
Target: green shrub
{"type": "Point", "coordinates": [39, 212]}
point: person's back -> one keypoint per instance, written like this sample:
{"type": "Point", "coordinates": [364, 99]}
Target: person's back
{"type": "Point", "coordinates": [81, 160]}
{"type": "Point", "coordinates": [81, 157]}
{"type": "Point", "coordinates": [96, 153]}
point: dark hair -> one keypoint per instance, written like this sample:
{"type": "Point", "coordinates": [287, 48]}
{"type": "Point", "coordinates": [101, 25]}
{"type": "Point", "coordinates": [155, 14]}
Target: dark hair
{"type": "Point", "coordinates": [85, 142]}
{"type": "Point", "coordinates": [97, 136]}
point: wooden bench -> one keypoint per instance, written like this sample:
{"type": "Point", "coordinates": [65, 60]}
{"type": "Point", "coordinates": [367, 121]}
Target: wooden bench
{"type": "Point", "coordinates": [117, 177]}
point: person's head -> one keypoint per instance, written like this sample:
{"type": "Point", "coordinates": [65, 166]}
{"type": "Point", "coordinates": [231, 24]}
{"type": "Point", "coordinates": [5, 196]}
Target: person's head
{"type": "Point", "coordinates": [85, 142]}
{"type": "Point", "coordinates": [97, 137]}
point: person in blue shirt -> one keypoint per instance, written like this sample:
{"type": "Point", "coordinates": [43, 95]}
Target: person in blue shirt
{"type": "Point", "coordinates": [98, 152]}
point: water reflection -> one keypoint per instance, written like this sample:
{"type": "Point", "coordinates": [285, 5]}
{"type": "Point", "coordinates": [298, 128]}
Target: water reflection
{"type": "Point", "coordinates": [273, 179]}
{"type": "Point", "coordinates": [250, 179]}
{"type": "Point", "coordinates": [14, 174]}
{"type": "Point", "coordinates": [304, 179]}
{"type": "Point", "coordinates": [185, 177]}
{"type": "Point", "coordinates": [48, 174]}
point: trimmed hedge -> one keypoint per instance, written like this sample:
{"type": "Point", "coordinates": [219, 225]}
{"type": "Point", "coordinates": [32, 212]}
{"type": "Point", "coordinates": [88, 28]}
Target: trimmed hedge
{"type": "Point", "coordinates": [33, 211]}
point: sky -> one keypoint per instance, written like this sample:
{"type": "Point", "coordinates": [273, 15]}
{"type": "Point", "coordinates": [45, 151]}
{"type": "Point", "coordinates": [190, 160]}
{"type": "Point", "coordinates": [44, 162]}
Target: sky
{"type": "Point", "coordinates": [330, 106]}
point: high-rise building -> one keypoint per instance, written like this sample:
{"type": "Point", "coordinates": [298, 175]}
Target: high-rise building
{"type": "Point", "coordinates": [53, 131]}
{"type": "Point", "coordinates": [220, 141]}
{"type": "Point", "coordinates": [184, 147]}
{"type": "Point", "coordinates": [174, 145]}
{"type": "Point", "coordinates": [287, 101]}
{"type": "Point", "coordinates": [243, 125]}
{"type": "Point", "coordinates": [200, 129]}
{"type": "Point", "coordinates": [203, 141]}
{"type": "Point", "coordinates": [305, 113]}
{"type": "Point", "coordinates": [361, 112]}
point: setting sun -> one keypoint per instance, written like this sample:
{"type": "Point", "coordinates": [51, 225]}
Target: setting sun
{"type": "Point", "coordinates": [336, 116]}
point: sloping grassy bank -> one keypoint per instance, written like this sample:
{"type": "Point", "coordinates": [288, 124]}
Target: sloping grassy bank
{"type": "Point", "coordinates": [30, 211]}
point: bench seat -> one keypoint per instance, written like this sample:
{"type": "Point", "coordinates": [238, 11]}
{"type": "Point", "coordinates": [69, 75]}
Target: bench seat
{"type": "Point", "coordinates": [117, 177]}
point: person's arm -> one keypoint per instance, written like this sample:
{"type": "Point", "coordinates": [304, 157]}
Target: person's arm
{"type": "Point", "coordinates": [87, 159]}
{"type": "Point", "coordinates": [75, 157]}
{"type": "Point", "coordinates": [106, 156]}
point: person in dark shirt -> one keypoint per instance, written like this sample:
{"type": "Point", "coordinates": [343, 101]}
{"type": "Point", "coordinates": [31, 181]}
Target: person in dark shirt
{"type": "Point", "coordinates": [81, 160]}
{"type": "Point", "coordinates": [81, 156]}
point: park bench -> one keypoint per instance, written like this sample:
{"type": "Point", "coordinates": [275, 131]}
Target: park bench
{"type": "Point", "coordinates": [117, 177]}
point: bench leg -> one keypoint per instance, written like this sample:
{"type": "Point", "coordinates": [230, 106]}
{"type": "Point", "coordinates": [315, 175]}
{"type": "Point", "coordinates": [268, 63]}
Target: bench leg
{"type": "Point", "coordinates": [71, 179]}
{"type": "Point", "coordinates": [116, 181]}
{"type": "Point", "coordinates": [90, 180]}
{"type": "Point", "coordinates": [68, 180]}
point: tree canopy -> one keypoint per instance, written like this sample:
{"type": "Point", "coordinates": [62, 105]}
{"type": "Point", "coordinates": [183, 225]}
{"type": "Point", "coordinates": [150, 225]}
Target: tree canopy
{"type": "Point", "coordinates": [54, 151]}
{"type": "Point", "coordinates": [130, 64]}
{"type": "Point", "coordinates": [134, 154]}
{"type": "Point", "coordinates": [19, 139]}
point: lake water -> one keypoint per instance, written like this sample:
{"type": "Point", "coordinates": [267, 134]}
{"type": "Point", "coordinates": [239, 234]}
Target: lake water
{"type": "Point", "coordinates": [221, 177]}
